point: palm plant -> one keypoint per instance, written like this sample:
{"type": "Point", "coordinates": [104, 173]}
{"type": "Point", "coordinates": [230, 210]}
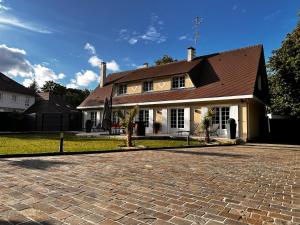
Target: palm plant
{"type": "Point", "coordinates": [206, 121]}
{"type": "Point", "coordinates": [126, 121]}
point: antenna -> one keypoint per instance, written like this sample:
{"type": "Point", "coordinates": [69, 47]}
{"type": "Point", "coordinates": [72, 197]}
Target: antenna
{"type": "Point", "coordinates": [196, 26]}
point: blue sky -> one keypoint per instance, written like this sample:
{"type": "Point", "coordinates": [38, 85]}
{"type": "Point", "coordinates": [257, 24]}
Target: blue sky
{"type": "Point", "coordinates": [66, 40]}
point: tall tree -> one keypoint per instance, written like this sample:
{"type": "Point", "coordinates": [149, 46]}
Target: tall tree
{"type": "Point", "coordinates": [54, 87]}
{"type": "Point", "coordinates": [75, 96]}
{"type": "Point", "coordinates": [34, 86]}
{"type": "Point", "coordinates": [284, 79]}
{"type": "Point", "coordinates": [164, 60]}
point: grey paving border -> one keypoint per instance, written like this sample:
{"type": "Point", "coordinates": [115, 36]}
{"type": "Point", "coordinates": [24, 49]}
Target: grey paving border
{"type": "Point", "coordinates": [29, 155]}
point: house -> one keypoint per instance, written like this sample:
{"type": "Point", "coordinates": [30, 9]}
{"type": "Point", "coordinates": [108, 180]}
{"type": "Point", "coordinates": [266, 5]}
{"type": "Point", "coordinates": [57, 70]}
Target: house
{"type": "Point", "coordinates": [51, 113]}
{"type": "Point", "coordinates": [14, 97]}
{"type": "Point", "coordinates": [177, 95]}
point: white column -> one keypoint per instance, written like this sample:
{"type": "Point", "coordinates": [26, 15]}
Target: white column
{"type": "Point", "coordinates": [149, 129]}
{"type": "Point", "coordinates": [234, 114]}
{"type": "Point", "coordinates": [187, 119]}
{"type": "Point", "coordinates": [164, 125]}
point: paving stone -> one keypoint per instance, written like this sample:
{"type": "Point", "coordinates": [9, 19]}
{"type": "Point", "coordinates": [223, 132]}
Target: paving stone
{"type": "Point", "coordinates": [231, 185]}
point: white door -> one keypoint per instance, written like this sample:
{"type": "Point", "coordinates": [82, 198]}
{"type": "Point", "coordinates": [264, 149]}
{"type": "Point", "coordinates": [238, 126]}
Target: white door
{"type": "Point", "coordinates": [146, 115]}
{"type": "Point", "coordinates": [221, 115]}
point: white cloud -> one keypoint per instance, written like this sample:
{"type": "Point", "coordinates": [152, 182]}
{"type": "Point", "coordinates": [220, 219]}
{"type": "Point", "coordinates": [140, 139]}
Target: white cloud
{"type": "Point", "coordinates": [90, 48]}
{"type": "Point", "coordinates": [113, 66]}
{"type": "Point", "coordinates": [152, 33]}
{"type": "Point", "coordinates": [272, 15]}
{"type": "Point", "coordinates": [13, 63]}
{"type": "Point", "coordinates": [3, 7]}
{"type": "Point", "coordinates": [8, 20]}
{"type": "Point", "coordinates": [183, 37]}
{"type": "Point", "coordinates": [12, 21]}
{"type": "Point", "coordinates": [83, 79]}
{"type": "Point", "coordinates": [95, 61]}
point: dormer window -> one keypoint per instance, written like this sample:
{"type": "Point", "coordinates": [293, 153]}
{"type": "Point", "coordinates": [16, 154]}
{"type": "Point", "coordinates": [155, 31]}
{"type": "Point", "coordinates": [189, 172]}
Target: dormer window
{"type": "Point", "coordinates": [148, 86]}
{"type": "Point", "coordinates": [178, 82]}
{"type": "Point", "coordinates": [122, 89]}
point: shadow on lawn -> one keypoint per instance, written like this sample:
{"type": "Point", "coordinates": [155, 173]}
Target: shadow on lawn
{"type": "Point", "coordinates": [37, 164]}
{"type": "Point", "coordinates": [207, 153]}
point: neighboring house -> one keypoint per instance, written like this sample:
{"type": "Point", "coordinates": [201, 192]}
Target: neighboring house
{"type": "Point", "coordinates": [177, 95]}
{"type": "Point", "coordinates": [14, 97]}
{"type": "Point", "coordinates": [51, 113]}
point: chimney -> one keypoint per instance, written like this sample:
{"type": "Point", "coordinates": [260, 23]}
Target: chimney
{"type": "Point", "coordinates": [145, 65]}
{"type": "Point", "coordinates": [102, 74]}
{"type": "Point", "coordinates": [191, 54]}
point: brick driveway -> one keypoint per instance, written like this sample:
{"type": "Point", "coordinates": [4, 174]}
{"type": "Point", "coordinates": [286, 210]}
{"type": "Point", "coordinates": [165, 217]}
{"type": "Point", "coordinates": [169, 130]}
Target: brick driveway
{"type": "Point", "coordinates": [216, 185]}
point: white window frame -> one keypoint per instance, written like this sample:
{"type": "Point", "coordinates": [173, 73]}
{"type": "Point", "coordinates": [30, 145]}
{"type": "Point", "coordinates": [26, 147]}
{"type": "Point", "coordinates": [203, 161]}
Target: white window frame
{"type": "Point", "coordinates": [148, 86]}
{"type": "Point", "coordinates": [93, 117]}
{"type": "Point", "coordinates": [179, 81]}
{"type": "Point", "coordinates": [122, 89]}
{"type": "Point", "coordinates": [219, 116]}
{"type": "Point", "coordinates": [144, 116]}
{"type": "Point", "coordinates": [179, 121]}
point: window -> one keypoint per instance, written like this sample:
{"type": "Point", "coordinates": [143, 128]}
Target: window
{"type": "Point", "coordinates": [14, 98]}
{"type": "Point", "coordinates": [1, 96]}
{"type": "Point", "coordinates": [115, 118]}
{"type": "Point", "coordinates": [27, 101]}
{"type": "Point", "coordinates": [148, 86]}
{"type": "Point", "coordinates": [177, 118]}
{"type": "Point", "coordinates": [94, 118]}
{"type": "Point", "coordinates": [221, 115]}
{"type": "Point", "coordinates": [122, 89]}
{"type": "Point", "coordinates": [178, 82]}
{"type": "Point", "coordinates": [144, 116]}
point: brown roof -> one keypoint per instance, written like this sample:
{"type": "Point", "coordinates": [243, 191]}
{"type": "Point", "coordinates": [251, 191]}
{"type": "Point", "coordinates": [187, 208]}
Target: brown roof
{"type": "Point", "coordinates": [7, 84]}
{"type": "Point", "coordinates": [97, 97]}
{"type": "Point", "coordinates": [229, 73]}
{"type": "Point", "coordinates": [48, 102]}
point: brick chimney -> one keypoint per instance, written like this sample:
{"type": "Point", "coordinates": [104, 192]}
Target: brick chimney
{"type": "Point", "coordinates": [102, 74]}
{"type": "Point", "coordinates": [191, 53]}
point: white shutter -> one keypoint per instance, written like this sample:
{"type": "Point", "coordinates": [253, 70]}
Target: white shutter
{"type": "Point", "coordinates": [234, 114]}
{"type": "Point", "coordinates": [187, 120]}
{"type": "Point", "coordinates": [150, 128]}
{"type": "Point", "coordinates": [204, 111]}
{"type": "Point", "coordinates": [164, 121]}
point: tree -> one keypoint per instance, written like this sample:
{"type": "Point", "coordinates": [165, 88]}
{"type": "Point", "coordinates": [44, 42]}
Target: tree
{"type": "Point", "coordinates": [126, 121]}
{"type": "Point", "coordinates": [34, 86]}
{"type": "Point", "coordinates": [165, 60]}
{"type": "Point", "coordinates": [206, 121]}
{"type": "Point", "coordinates": [54, 87]}
{"type": "Point", "coordinates": [284, 79]}
{"type": "Point", "coordinates": [75, 96]}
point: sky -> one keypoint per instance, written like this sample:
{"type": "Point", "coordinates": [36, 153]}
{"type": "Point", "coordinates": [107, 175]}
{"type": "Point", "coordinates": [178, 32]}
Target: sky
{"type": "Point", "coordinates": [65, 40]}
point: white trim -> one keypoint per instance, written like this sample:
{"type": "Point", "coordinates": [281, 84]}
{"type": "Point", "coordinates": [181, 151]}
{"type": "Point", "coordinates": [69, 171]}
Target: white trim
{"type": "Point", "coordinates": [188, 100]}
{"type": "Point", "coordinates": [175, 101]}
{"type": "Point", "coordinates": [90, 107]}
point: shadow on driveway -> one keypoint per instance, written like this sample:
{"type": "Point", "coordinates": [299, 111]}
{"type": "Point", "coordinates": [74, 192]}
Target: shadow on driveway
{"type": "Point", "coordinates": [10, 222]}
{"type": "Point", "coordinates": [207, 153]}
{"type": "Point", "coordinates": [37, 164]}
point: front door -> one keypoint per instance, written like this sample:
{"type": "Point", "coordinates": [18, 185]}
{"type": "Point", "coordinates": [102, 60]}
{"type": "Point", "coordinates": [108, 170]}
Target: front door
{"type": "Point", "coordinates": [221, 115]}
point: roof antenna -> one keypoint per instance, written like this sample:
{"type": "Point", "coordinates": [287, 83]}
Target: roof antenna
{"type": "Point", "coordinates": [197, 21]}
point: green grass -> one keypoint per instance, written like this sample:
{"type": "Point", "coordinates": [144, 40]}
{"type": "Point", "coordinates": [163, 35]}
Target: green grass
{"type": "Point", "coordinates": [45, 143]}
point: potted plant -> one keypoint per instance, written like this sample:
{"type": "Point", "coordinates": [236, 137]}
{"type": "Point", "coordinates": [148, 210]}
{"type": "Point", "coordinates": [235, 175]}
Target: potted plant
{"type": "Point", "coordinates": [156, 127]}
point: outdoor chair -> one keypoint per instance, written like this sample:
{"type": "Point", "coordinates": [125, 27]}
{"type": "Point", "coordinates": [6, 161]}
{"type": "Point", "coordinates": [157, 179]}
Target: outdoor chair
{"type": "Point", "coordinates": [213, 130]}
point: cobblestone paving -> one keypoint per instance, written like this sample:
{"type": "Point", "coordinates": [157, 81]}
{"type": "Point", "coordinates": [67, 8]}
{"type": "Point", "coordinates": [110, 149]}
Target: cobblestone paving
{"type": "Point", "coordinates": [215, 185]}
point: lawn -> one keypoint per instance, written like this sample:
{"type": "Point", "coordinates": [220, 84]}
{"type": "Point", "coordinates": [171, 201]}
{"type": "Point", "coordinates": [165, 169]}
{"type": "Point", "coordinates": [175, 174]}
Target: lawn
{"type": "Point", "coordinates": [45, 143]}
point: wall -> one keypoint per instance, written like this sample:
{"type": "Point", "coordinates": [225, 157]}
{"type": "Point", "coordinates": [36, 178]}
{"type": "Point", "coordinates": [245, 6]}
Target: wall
{"type": "Point", "coordinates": [257, 112]}
{"type": "Point", "coordinates": [8, 105]}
